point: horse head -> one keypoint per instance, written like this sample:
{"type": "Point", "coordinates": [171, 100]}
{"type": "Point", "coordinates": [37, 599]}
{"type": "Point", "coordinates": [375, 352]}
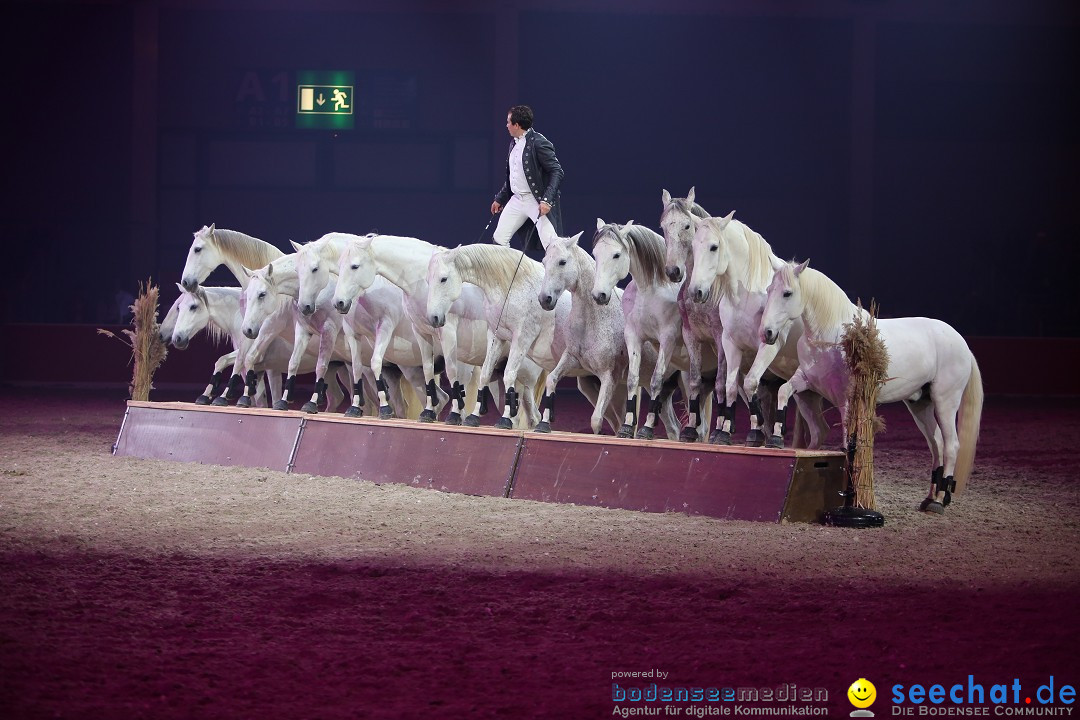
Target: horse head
{"type": "Point", "coordinates": [612, 258]}
{"type": "Point", "coordinates": [260, 300]}
{"type": "Point", "coordinates": [202, 258]}
{"type": "Point", "coordinates": [444, 285]}
{"type": "Point", "coordinates": [711, 256]}
{"type": "Point", "coordinates": [783, 303]}
{"type": "Point", "coordinates": [313, 270]}
{"type": "Point", "coordinates": [192, 316]}
{"type": "Point", "coordinates": [356, 273]}
{"type": "Point", "coordinates": [678, 222]}
{"type": "Point", "coordinates": [561, 271]}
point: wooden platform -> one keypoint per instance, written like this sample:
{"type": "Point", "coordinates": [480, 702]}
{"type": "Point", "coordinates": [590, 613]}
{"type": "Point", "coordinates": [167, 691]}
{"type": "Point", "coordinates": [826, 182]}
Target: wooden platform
{"type": "Point", "coordinates": [652, 476]}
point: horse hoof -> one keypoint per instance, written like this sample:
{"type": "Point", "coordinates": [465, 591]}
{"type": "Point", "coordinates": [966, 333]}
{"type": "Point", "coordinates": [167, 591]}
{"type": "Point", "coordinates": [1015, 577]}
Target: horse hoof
{"type": "Point", "coordinates": [932, 506]}
{"type": "Point", "coordinates": [244, 402]}
{"type": "Point", "coordinates": [542, 427]}
{"type": "Point", "coordinates": [472, 421]}
{"type": "Point", "coordinates": [625, 432]}
{"type": "Point", "coordinates": [453, 419]}
{"type": "Point", "coordinates": [202, 400]}
{"type": "Point", "coordinates": [354, 411]}
{"type": "Point", "coordinates": [281, 404]}
{"type": "Point", "coordinates": [386, 412]}
{"type": "Point", "coordinates": [720, 437]}
{"type": "Point", "coordinates": [504, 423]}
{"type": "Point", "coordinates": [645, 433]}
{"type": "Point", "coordinates": [428, 416]}
{"type": "Point", "coordinates": [220, 401]}
{"type": "Point", "coordinates": [755, 438]}
{"type": "Point", "coordinates": [688, 434]}
{"type": "Point", "coordinates": [310, 408]}
{"type": "Point", "coordinates": [776, 442]}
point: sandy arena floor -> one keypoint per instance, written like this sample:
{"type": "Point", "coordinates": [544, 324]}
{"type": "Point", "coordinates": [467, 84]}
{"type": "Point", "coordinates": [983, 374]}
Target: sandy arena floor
{"type": "Point", "coordinates": [134, 588]}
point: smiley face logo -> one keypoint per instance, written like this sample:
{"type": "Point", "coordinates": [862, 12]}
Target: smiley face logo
{"type": "Point", "coordinates": [862, 693]}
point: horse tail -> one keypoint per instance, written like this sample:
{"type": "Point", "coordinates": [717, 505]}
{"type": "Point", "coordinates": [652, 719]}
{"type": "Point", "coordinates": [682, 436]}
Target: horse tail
{"type": "Point", "coordinates": [971, 405]}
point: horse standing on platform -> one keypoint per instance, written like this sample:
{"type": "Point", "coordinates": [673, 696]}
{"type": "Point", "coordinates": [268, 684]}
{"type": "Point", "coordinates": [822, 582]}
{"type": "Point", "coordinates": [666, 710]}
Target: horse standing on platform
{"type": "Point", "coordinates": [651, 310]}
{"type": "Point", "coordinates": [462, 340]}
{"type": "Point", "coordinates": [219, 311]}
{"type": "Point", "coordinates": [376, 327]}
{"type": "Point", "coordinates": [511, 284]}
{"type": "Point", "coordinates": [931, 369]}
{"type": "Point", "coordinates": [733, 266]}
{"type": "Point", "coordinates": [701, 327]}
{"type": "Point", "coordinates": [210, 248]}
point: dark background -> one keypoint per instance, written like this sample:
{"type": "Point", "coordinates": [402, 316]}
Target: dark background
{"type": "Point", "coordinates": [921, 153]}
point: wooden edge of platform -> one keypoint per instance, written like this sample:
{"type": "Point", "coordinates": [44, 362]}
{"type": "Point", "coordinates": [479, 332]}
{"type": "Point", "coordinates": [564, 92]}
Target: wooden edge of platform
{"type": "Point", "coordinates": [516, 435]}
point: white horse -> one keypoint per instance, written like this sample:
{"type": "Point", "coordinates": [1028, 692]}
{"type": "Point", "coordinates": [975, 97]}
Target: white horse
{"type": "Point", "coordinates": [219, 311]}
{"type": "Point", "coordinates": [223, 363]}
{"type": "Point", "coordinates": [511, 284]}
{"type": "Point", "coordinates": [931, 369]}
{"type": "Point", "coordinates": [376, 327]}
{"type": "Point", "coordinates": [211, 248]}
{"type": "Point", "coordinates": [650, 307]}
{"type": "Point", "coordinates": [462, 339]}
{"type": "Point", "coordinates": [701, 327]}
{"type": "Point", "coordinates": [235, 250]}
{"type": "Point", "coordinates": [733, 266]}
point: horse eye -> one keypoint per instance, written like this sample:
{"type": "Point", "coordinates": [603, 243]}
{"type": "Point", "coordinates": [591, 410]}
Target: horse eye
{"type": "Point", "coordinates": [443, 280]}
{"type": "Point", "coordinates": [787, 293]}
{"type": "Point", "coordinates": [617, 256]}
{"type": "Point", "coordinates": [262, 295]}
{"type": "Point", "coordinates": [561, 263]}
{"type": "Point", "coordinates": [714, 248]}
{"type": "Point", "coordinates": [314, 270]}
{"type": "Point", "coordinates": [196, 250]}
{"type": "Point", "coordinates": [192, 306]}
{"type": "Point", "coordinates": [687, 226]}
{"type": "Point", "coordinates": [356, 266]}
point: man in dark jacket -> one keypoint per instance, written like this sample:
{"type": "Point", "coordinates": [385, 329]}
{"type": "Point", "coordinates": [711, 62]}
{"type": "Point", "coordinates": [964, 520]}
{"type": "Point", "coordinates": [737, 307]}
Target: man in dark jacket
{"type": "Point", "coordinates": [531, 190]}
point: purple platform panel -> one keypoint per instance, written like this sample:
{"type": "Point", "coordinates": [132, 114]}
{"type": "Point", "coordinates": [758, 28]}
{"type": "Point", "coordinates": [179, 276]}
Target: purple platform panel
{"type": "Point", "coordinates": [474, 461]}
{"type": "Point", "coordinates": [206, 434]}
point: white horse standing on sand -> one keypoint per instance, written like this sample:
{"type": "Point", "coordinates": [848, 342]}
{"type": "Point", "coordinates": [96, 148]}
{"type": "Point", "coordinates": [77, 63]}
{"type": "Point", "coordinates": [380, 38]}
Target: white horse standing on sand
{"type": "Point", "coordinates": [931, 369]}
{"type": "Point", "coordinates": [511, 284]}
{"type": "Point", "coordinates": [650, 307]}
{"type": "Point", "coordinates": [733, 266]}
{"type": "Point", "coordinates": [462, 340]}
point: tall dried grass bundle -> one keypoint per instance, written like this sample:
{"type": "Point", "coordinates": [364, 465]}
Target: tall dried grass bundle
{"type": "Point", "coordinates": [147, 349]}
{"type": "Point", "coordinates": [868, 361]}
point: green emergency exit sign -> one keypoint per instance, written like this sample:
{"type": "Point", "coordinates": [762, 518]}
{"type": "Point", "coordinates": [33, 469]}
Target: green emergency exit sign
{"type": "Point", "coordinates": [325, 100]}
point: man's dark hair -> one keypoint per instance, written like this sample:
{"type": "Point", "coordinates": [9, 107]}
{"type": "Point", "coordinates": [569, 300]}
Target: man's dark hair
{"type": "Point", "coordinates": [522, 116]}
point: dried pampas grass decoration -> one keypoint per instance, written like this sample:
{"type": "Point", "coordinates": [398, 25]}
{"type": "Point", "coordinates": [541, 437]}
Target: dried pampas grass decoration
{"type": "Point", "coordinates": [147, 349]}
{"type": "Point", "coordinates": [868, 362]}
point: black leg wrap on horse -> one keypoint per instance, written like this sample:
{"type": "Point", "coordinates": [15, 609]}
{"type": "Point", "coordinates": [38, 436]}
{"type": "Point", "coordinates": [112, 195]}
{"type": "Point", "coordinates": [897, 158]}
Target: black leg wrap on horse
{"type": "Point", "coordinates": [777, 441]}
{"type": "Point", "coordinates": [215, 381]}
{"type": "Point", "coordinates": [251, 381]}
{"type": "Point", "coordinates": [690, 432]}
{"type": "Point", "coordinates": [432, 392]}
{"type": "Point", "coordinates": [512, 401]}
{"type": "Point", "coordinates": [755, 409]}
{"type": "Point", "coordinates": [943, 484]}
{"type": "Point", "coordinates": [235, 383]}
{"type": "Point", "coordinates": [358, 391]}
{"type": "Point", "coordinates": [722, 435]}
{"type": "Point", "coordinates": [485, 394]}
{"type": "Point", "coordinates": [320, 388]}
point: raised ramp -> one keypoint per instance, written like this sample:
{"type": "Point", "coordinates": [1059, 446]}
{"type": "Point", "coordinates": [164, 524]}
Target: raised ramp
{"type": "Point", "coordinates": [738, 483]}
{"type": "Point", "coordinates": [657, 476]}
{"type": "Point", "coordinates": [211, 435]}
{"type": "Point", "coordinates": [474, 461]}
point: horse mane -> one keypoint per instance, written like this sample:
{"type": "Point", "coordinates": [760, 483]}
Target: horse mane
{"type": "Point", "coordinates": [759, 270]}
{"type": "Point", "coordinates": [216, 333]}
{"type": "Point", "coordinates": [646, 246]}
{"type": "Point", "coordinates": [493, 266]}
{"type": "Point", "coordinates": [827, 306]}
{"type": "Point", "coordinates": [248, 251]}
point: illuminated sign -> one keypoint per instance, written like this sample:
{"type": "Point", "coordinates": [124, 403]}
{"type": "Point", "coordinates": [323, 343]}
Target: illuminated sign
{"type": "Point", "coordinates": [325, 100]}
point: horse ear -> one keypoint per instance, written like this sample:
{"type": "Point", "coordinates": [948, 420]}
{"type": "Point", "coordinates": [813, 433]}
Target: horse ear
{"type": "Point", "coordinates": [180, 288]}
{"type": "Point", "coordinates": [201, 294]}
{"type": "Point", "coordinates": [776, 262]}
{"type": "Point", "coordinates": [801, 266]}
{"type": "Point", "coordinates": [665, 196]}
{"type": "Point", "coordinates": [577, 237]}
{"type": "Point", "coordinates": [296, 246]}
{"type": "Point", "coordinates": [213, 227]}
{"type": "Point", "coordinates": [269, 270]}
{"type": "Point", "coordinates": [600, 223]}
{"type": "Point", "coordinates": [629, 224]}
{"type": "Point", "coordinates": [725, 220]}
{"type": "Point", "coordinates": [247, 273]}
{"type": "Point", "coordinates": [690, 196]}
